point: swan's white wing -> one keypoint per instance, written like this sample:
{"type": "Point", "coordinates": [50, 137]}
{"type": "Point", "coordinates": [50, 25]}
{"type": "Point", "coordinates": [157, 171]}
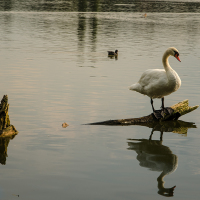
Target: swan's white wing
{"type": "Point", "coordinates": [152, 77]}
{"type": "Point", "coordinates": [153, 83]}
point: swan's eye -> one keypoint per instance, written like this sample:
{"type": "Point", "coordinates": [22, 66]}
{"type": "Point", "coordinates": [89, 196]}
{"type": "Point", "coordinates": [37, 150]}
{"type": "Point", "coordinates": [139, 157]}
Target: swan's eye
{"type": "Point", "coordinates": [176, 53]}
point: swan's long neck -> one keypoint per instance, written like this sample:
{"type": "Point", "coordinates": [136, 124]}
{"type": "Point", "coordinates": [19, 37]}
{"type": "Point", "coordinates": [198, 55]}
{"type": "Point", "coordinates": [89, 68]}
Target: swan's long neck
{"type": "Point", "coordinates": [160, 180]}
{"type": "Point", "coordinates": [165, 61]}
{"type": "Point", "coordinates": [174, 82]}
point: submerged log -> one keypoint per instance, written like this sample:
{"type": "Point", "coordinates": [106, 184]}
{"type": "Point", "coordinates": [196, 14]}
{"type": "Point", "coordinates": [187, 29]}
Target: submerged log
{"type": "Point", "coordinates": [6, 129]}
{"type": "Point", "coordinates": [180, 109]}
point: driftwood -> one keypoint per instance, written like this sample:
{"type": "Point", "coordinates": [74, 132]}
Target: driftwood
{"type": "Point", "coordinates": [180, 109]}
{"type": "Point", "coordinates": [7, 131]}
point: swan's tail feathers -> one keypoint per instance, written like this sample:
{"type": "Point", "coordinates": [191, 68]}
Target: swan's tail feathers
{"type": "Point", "coordinates": [135, 87]}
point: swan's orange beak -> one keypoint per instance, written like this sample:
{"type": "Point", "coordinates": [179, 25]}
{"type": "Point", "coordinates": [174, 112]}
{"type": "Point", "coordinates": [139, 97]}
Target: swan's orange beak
{"type": "Point", "coordinates": [177, 57]}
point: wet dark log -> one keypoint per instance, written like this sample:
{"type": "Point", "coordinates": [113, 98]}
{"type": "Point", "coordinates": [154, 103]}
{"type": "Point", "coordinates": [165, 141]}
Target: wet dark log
{"type": "Point", "coordinates": [180, 109]}
{"type": "Point", "coordinates": [6, 129]}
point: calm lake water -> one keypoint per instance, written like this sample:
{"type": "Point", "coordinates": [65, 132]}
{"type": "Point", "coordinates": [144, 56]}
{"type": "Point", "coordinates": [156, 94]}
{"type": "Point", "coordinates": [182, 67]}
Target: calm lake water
{"type": "Point", "coordinates": [55, 69]}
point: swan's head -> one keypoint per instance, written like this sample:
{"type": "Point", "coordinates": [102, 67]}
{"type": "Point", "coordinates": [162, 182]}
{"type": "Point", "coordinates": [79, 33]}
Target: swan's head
{"type": "Point", "coordinates": [174, 52]}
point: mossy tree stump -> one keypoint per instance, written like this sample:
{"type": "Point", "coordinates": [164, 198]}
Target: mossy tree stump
{"type": "Point", "coordinates": [6, 129]}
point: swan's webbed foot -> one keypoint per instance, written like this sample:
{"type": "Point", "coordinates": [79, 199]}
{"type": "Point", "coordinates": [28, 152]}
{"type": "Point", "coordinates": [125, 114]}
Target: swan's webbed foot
{"type": "Point", "coordinates": [157, 114]}
{"type": "Point", "coordinates": [166, 111]}
{"type": "Point", "coordinates": [160, 114]}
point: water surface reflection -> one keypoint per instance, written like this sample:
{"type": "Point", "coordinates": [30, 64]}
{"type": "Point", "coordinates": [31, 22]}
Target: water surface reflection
{"type": "Point", "coordinates": [180, 127]}
{"type": "Point", "coordinates": [155, 156]}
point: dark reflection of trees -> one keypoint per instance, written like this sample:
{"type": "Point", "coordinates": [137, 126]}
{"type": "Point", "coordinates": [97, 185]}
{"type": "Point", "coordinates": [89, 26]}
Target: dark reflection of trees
{"type": "Point", "coordinates": [93, 22]}
{"type": "Point", "coordinates": [81, 26]}
{"type": "Point", "coordinates": [81, 30]}
{"type": "Point", "coordinates": [83, 6]}
{"type": "Point", "coordinates": [93, 6]}
{"type": "Point", "coordinates": [155, 156]}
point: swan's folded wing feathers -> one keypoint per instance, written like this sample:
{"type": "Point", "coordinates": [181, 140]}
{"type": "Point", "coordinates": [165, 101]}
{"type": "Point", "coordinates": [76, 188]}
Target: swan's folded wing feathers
{"type": "Point", "coordinates": [151, 76]}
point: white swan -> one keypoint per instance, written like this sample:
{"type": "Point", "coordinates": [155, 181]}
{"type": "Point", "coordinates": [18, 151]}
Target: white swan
{"type": "Point", "coordinates": [157, 83]}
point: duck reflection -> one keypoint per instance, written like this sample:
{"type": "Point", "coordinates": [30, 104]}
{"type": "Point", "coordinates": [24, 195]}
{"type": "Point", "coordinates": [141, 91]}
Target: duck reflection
{"type": "Point", "coordinates": [155, 156]}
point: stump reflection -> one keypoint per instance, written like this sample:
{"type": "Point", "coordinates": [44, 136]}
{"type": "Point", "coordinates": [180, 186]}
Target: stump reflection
{"type": "Point", "coordinates": [3, 149]}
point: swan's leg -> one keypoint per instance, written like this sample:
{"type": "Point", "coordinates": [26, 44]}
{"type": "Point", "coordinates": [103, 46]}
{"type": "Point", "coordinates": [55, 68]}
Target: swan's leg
{"type": "Point", "coordinates": [151, 134]}
{"type": "Point", "coordinates": [167, 110]}
{"type": "Point", "coordinates": [162, 106]}
{"type": "Point", "coordinates": [157, 113]}
{"type": "Point", "coordinates": [161, 135]}
{"type": "Point", "coordinates": [152, 104]}
{"type": "Point", "coordinates": [164, 110]}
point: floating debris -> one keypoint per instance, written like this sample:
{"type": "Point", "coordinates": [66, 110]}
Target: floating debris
{"type": "Point", "coordinates": [64, 125]}
{"type": "Point", "coordinates": [145, 15]}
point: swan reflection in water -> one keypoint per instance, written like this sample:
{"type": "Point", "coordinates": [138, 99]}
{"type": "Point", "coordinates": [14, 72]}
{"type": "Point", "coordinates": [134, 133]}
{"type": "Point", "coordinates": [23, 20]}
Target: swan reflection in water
{"type": "Point", "coordinates": [155, 156]}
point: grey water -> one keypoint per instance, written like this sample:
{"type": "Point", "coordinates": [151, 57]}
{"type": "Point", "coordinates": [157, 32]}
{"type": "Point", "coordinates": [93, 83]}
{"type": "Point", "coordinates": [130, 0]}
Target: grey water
{"type": "Point", "coordinates": [55, 69]}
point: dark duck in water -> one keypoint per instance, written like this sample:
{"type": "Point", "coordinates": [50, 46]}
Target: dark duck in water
{"type": "Point", "coordinates": [112, 53]}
